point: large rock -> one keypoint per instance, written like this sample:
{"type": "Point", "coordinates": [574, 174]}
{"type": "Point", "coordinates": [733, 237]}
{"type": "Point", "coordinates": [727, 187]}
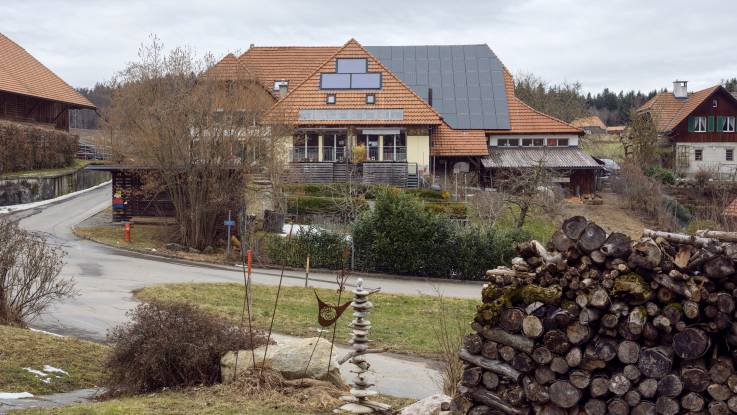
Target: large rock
{"type": "Point", "coordinates": [432, 405]}
{"type": "Point", "coordinates": [289, 357]}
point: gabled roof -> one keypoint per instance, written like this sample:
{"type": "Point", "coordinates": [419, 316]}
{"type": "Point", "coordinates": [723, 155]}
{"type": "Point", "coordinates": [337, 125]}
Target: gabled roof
{"type": "Point", "coordinates": [592, 121]}
{"type": "Point", "coordinates": [229, 68]}
{"type": "Point", "coordinates": [393, 95]}
{"type": "Point", "coordinates": [290, 63]}
{"type": "Point", "coordinates": [552, 158]}
{"type": "Point", "coordinates": [467, 81]}
{"type": "Point", "coordinates": [667, 111]}
{"type": "Point", "coordinates": [21, 73]}
{"type": "Point", "coordinates": [450, 142]}
{"type": "Point", "coordinates": [524, 119]}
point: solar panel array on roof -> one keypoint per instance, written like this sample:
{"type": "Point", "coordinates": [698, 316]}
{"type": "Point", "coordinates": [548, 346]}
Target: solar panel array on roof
{"type": "Point", "coordinates": [467, 81]}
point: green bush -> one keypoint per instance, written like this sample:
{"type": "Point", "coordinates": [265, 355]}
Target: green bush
{"type": "Point", "coordinates": [452, 210]}
{"type": "Point", "coordinates": [699, 224]}
{"type": "Point", "coordinates": [429, 194]}
{"type": "Point", "coordinates": [311, 205]}
{"type": "Point", "coordinates": [661, 174]}
{"type": "Point", "coordinates": [326, 250]}
{"type": "Point", "coordinates": [477, 249]}
{"type": "Point", "coordinates": [679, 211]}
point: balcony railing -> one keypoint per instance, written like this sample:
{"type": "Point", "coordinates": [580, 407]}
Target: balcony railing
{"type": "Point", "coordinates": [333, 153]}
{"type": "Point", "coordinates": [395, 153]}
{"type": "Point", "coordinates": [302, 153]}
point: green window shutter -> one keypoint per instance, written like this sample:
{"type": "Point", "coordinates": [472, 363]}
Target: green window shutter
{"type": "Point", "coordinates": [710, 124]}
{"type": "Point", "coordinates": [691, 124]}
{"type": "Point", "coordinates": [720, 124]}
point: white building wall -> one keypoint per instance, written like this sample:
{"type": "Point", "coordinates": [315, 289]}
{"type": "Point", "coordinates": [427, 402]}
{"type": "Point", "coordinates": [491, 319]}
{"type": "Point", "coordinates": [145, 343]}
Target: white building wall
{"type": "Point", "coordinates": [713, 159]}
{"type": "Point", "coordinates": [572, 138]}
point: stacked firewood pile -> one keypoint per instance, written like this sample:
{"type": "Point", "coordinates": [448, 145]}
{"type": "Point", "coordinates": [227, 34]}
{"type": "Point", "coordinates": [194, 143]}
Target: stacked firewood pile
{"type": "Point", "coordinates": [600, 324]}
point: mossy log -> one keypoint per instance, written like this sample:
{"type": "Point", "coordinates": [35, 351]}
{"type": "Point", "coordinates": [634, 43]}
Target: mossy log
{"type": "Point", "coordinates": [495, 299]}
{"type": "Point", "coordinates": [633, 285]}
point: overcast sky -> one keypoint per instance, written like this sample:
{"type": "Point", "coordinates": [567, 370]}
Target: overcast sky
{"type": "Point", "coordinates": [620, 44]}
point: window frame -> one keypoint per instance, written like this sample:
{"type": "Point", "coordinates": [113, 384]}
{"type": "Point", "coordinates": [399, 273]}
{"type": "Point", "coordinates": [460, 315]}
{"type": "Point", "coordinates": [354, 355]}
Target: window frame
{"type": "Point", "coordinates": [697, 123]}
{"type": "Point", "coordinates": [278, 83]}
{"type": "Point", "coordinates": [728, 154]}
{"type": "Point", "coordinates": [328, 99]}
{"type": "Point", "coordinates": [728, 122]}
{"type": "Point", "coordinates": [698, 154]}
{"type": "Point", "coordinates": [338, 60]}
{"type": "Point", "coordinates": [370, 99]}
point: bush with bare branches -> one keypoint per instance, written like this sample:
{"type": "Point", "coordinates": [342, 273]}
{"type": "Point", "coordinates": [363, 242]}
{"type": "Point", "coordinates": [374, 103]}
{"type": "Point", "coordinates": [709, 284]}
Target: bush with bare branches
{"type": "Point", "coordinates": [29, 275]}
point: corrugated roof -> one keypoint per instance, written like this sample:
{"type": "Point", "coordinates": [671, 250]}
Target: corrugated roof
{"type": "Point", "coordinates": [467, 81]}
{"type": "Point", "coordinates": [392, 95]}
{"type": "Point", "coordinates": [21, 73]}
{"type": "Point", "coordinates": [552, 157]}
{"type": "Point", "coordinates": [449, 142]}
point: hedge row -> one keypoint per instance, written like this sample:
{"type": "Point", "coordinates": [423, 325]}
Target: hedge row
{"type": "Point", "coordinates": [24, 147]}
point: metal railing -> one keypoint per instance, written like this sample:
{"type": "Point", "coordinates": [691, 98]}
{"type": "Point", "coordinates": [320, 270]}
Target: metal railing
{"type": "Point", "coordinates": [302, 153]}
{"type": "Point", "coordinates": [331, 153]}
{"type": "Point", "coordinates": [395, 153]}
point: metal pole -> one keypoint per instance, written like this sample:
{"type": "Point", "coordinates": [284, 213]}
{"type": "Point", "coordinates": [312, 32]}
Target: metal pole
{"type": "Point", "coordinates": [228, 251]}
{"type": "Point", "coordinates": [307, 271]}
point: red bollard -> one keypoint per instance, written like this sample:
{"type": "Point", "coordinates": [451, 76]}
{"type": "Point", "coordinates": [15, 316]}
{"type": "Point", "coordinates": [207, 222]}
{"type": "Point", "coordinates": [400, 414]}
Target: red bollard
{"type": "Point", "coordinates": [250, 255]}
{"type": "Point", "coordinates": [127, 236]}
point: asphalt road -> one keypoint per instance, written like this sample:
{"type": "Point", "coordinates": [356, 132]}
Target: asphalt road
{"type": "Point", "coordinates": [106, 276]}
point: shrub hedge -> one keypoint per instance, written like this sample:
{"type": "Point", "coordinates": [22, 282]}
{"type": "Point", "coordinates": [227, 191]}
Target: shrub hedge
{"type": "Point", "coordinates": [24, 147]}
{"type": "Point", "coordinates": [326, 250]}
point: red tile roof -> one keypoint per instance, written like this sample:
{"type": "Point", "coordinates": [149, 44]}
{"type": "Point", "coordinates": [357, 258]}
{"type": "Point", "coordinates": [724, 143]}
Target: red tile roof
{"type": "Point", "coordinates": [393, 95]}
{"type": "Point", "coordinates": [592, 121]}
{"type": "Point", "coordinates": [21, 73]}
{"type": "Point", "coordinates": [524, 119]}
{"type": "Point", "coordinates": [449, 142]}
{"type": "Point", "coordinates": [292, 63]}
{"type": "Point", "coordinates": [667, 111]}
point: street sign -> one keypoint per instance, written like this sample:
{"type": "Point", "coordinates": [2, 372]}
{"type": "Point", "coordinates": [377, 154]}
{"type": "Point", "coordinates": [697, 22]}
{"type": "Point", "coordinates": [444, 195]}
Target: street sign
{"type": "Point", "coordinates": [229, 223]}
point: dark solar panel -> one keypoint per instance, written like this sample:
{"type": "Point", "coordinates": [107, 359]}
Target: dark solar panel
{"type": "Point", "coordinates": [467, 81]}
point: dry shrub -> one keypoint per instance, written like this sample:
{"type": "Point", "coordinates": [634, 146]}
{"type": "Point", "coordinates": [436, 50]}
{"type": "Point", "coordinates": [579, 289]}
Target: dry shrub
{"type": "Point", "coordinates": [25, 147]}
{"type": "Point", "coordinates": [645, 195]}
{"type": "Point", "coordinates": [448, 334]}
{"type": "Point", "coordinates": [30, 278]}
{"type": "Point", "coordinates": [171, 345]}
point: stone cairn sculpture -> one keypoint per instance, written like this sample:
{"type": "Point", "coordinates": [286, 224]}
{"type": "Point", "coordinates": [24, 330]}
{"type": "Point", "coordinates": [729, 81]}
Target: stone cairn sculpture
{"type": "Point", "coordinates": [358, 401]}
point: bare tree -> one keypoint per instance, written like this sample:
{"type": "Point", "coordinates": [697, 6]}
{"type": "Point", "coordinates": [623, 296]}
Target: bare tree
{"type": "Point", "coordinates": [196, 132]}
{"type": "Point", "coordinates": [29, 275]}
{"type": "Point", "coordinates": [525, 189]}
{"type": "Point", "coordinates": [641, 140]}
{"type": "Point", "coordinates": [488, 206]}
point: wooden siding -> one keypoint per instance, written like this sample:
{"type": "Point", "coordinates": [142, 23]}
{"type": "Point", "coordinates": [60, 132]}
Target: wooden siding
{"type": "Point", "coordinates": [391, 173]}
{"type": "Point", "coordinates": [726, 106]}
{"type": "Point", "coordinates": [22, 108]}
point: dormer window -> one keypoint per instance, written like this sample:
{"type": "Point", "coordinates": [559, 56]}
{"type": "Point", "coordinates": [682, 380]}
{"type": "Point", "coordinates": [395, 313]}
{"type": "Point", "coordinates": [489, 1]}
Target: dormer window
{"type": "Point", "coordinates": [279, 83]}
{"type": "Point", "coordinates": [370, 99]}
{"type": "Point", "coordinates": [330, 99]}
{"type": "Point", "coordinates": [350, 73]}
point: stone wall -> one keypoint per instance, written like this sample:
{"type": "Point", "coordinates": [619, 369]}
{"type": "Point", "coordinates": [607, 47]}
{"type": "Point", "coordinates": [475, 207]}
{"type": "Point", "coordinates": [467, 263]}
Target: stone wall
{"type": "Point", "coordinates": [28, 189]}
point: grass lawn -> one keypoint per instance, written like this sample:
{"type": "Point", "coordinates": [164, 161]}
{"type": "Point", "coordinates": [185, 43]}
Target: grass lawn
{"type": "Point", "coordinates": [218, 399]}
{"type": "Point", "coordinates": [77, 164]}
{"type": "Point", "coordinates": [21, 348]}
{"type": "Point", "coordinates": [403, 323]}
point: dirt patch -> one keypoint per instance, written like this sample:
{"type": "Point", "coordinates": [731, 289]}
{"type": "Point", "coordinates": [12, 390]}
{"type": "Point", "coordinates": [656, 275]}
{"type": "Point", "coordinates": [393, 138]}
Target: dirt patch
{"type": "Point", "coordinates": [610, 215]}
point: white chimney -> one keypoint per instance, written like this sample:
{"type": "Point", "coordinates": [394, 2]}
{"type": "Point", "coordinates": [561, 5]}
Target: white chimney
{"type": "Point", "coordinates": [680, 89]}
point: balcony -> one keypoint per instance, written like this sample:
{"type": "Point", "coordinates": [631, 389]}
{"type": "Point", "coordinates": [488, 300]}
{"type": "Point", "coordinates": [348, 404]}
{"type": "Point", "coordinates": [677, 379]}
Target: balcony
{"type": "Point", "coordinates": [312, 154]}
{"type": "Point", "coordinates": [395, 153]}
{"type": "Point", "coordinates": [333, 153]}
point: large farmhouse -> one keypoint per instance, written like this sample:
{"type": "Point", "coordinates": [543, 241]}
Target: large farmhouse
{"type": "Point", "coordinates": [698, 128]}
{"type": "Point", "coordinates": [411, 110]}
{"type": "Point", "coordinates": [31, 93]}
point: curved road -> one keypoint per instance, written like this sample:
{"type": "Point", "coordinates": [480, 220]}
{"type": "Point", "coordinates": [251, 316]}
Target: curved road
{"type": "Point", "coordinates": [106, 276]}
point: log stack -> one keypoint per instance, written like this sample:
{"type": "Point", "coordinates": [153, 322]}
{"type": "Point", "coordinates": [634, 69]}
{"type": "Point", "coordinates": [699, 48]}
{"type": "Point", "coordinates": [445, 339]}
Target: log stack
{"type": "Point", "coordinates": [596, 324]}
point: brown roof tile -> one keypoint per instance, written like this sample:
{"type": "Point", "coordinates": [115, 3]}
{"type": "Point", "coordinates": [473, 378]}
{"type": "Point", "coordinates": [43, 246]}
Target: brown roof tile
{"type": "Point", "coordinates": [21, 73]}
{"type": "Point", "coordinates": [292, 63]}
{"type": "Point", "coordinates": [668, 111]}
{"type": "Point", "coordinates": [449, 142]}
{"type": "Point", "coordinates": [393, 95]}
{"type": "Point", "coordinates": [592, 121]}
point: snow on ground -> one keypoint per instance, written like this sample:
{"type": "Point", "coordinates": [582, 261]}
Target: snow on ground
{"type": "Point", "coordinates": [15, 395]}
{"type": "Point", "coordinates": [26, 206]}
{"type": "Point", "coordinates": [46, 332]}
{"type": "Point", "coordinates": [51, 369]}
{"type": "Point", "coordinates": [36, 372]}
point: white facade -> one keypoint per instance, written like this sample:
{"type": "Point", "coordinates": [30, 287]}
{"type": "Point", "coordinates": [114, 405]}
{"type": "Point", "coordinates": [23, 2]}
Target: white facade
{"type": "Point", "coordinates": [716, 158]}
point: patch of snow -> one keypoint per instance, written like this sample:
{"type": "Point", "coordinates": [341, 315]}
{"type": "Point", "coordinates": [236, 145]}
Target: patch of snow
{"type": "Point", "coordinates": [51, 369]}
{"type": "Point", "coordinates": [46, 381]}
{"type": "Point", "coordinates": [36, 372]}
{"type": "Point", "coordinates": [46, 332]}
{"type": "Point", "coordinates": [14, 395]}
{"type": "Point", "coordinates": [26, 206]}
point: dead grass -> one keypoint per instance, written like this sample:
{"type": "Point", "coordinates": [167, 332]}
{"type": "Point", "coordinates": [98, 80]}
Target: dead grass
{"type": "Point", "coordinates": [241, 397]}
{"type": "Point", "coordinates": [403, 323]}
{"type": "Point", "coordinates": [21, 348]}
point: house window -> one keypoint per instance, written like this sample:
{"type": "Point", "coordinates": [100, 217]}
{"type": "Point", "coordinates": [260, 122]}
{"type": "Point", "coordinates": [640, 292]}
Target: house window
{"type": "Point", "coordinates": [508, 142]}
{"type": "Point", "coordinates": [699, 124]}
{"type": "Point", "coordinates": [533, 142]}
{"type": "Point", "coordinates": [562, 142]}
{"type": "Point", "coordinates": [330, 99]}
{"type": "Point", "coordinates": [526, 142]}
{"type": "Point", "coordinates": [727, 124]}
{"type": "Point", "coordinates": [538, 142]}
{"type": "Point", "coordinates": [278, 84]}
{"type": "Point", "coordinates": [698, 154]}
{"type": "Point", "coordinates": [729, 154]}
{"type": "Point", "coordinates": [714, 103]}
{"type": "Point", "coordinates": [370, 99]}
{"type": "Point", "coordinates": [557, 142]}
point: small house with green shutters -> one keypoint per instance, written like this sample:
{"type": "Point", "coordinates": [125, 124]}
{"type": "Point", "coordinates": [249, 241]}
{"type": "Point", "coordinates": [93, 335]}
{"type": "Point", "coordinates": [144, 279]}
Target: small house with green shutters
{"type": "Point", "coordinates": [698, 128]}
